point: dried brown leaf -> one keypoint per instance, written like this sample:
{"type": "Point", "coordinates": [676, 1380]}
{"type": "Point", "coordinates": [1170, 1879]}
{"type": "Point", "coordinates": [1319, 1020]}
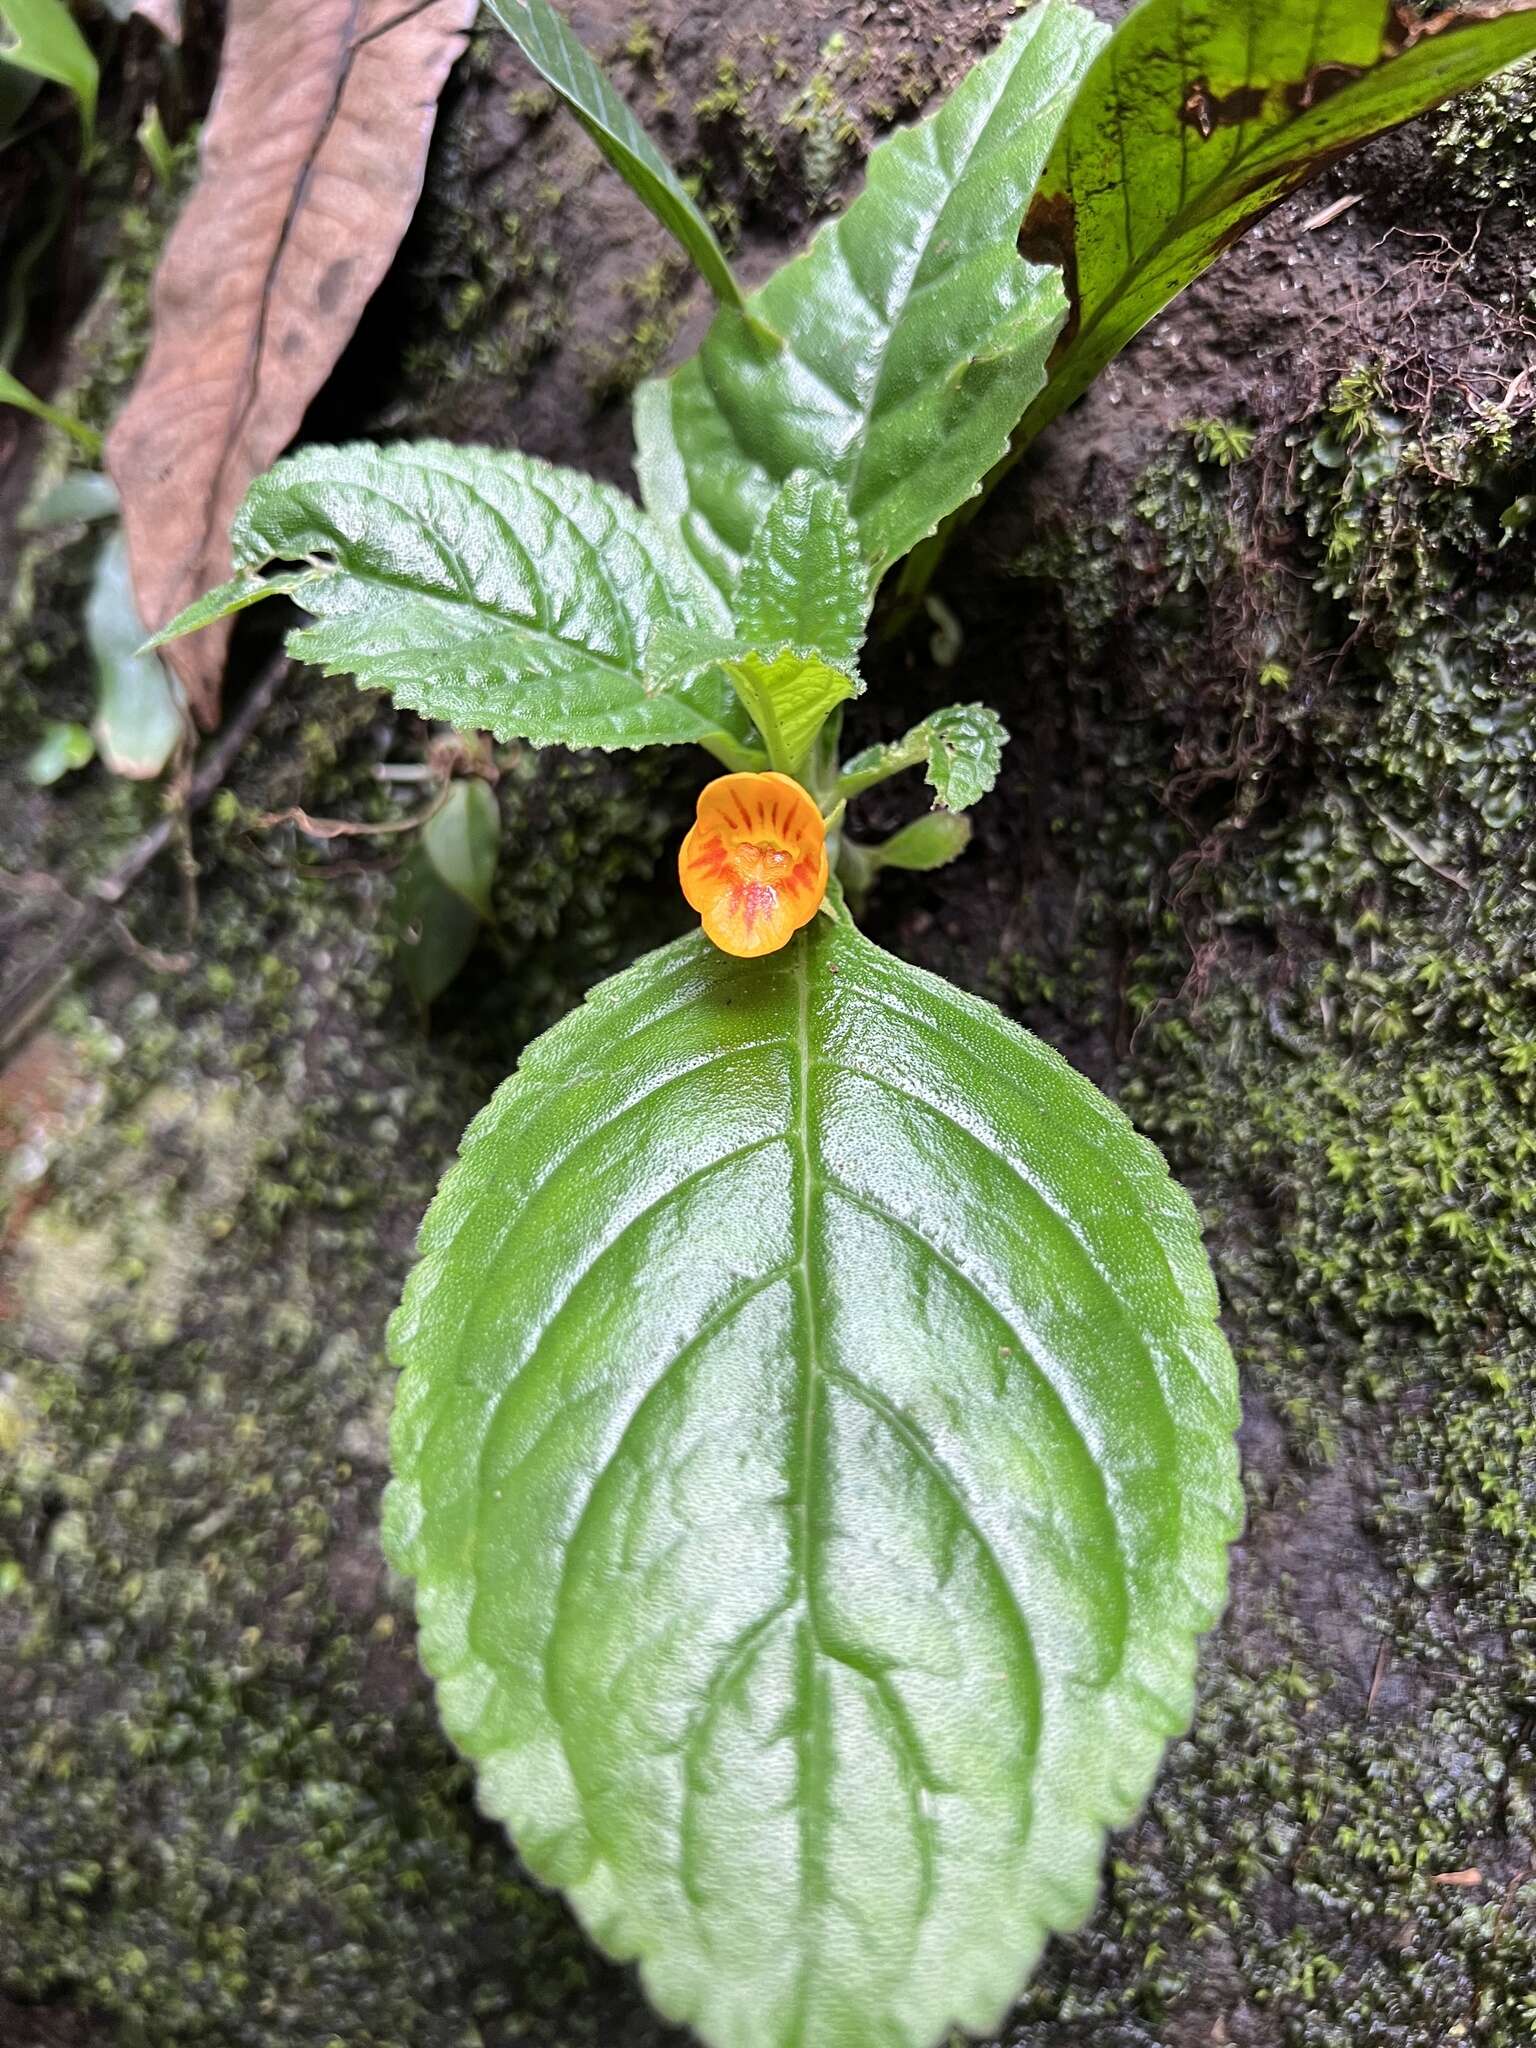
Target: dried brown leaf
{"type": "Point", "coordinates": [312, 164]}
{"type": "Point", "coordinates": [164, 15]}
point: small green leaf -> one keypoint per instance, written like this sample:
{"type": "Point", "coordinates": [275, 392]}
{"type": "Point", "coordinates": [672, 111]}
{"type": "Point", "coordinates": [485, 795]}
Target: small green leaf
{"type": "Point", "coordinates": [42, 38]}
{"type": "Point", "coordinates": [436, 929]}
{"type": "Point", "coordinates": [962, 748]}
{"type": "Point", "coordinates": [788, 692]}
{"type": "Point", "coordinates": [1199, 115]}
{"type": "Point", "coordinates": [156, 145]}
{"type": "Point", "coordinates": [965, 753]}
{"type": "Point", "coordinates": [443, 889]}
{"type": "Point", "coordinates": [814, 1456]}
{"type": "Point", "coordinates": [932, 841]}
{"type": "Point", "coordinates": [462, 841]}
{"type": "Point", "coordinates": [62, 749]}
{"type": "Point", "coordinates": [79, 498]}
{"type": "Point", "coordinates": [928, 842]}
{"type": "Point", "coordinates": [238, 595]}
{"type": "Point", "coordinates": [490, 590]}
{"type": "Point", "coordinates": [788, 696]}
{"type": "Point", "coordinates": [139, 717]}
{"type": "Point", "coordinates": [805, 582]}
{"type": "Point", "coordinates": [14, 392]}
{"type": "Point", "coordinates": [913, 335]}
{"type": "Point", "coordinates": [547, 40]}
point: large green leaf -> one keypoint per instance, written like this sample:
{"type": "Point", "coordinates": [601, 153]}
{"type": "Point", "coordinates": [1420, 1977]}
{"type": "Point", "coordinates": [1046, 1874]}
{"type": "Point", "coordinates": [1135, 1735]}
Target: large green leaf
{"type": "Point", "coordinates": [1199, 115]}
{"type": "Point", "coordinates": [490, 590]}
{"type": "Point", "coordinates": [814, 1455]}
{"type": "Point", "coordinates": [905, 343]}
{"type": "Point", "coordinates": [547, 40]}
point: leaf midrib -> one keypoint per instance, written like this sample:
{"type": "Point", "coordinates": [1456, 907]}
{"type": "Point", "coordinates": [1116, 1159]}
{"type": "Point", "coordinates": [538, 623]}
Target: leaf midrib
{"type": "Point", "coordinates": [809, 1395]}
{"type": "Point", "coordinates": [915, 287]}
{"type": "Point", "coordinates": [625, 666]}
{"type": "Point", "coordinates": [816, 1375]}
{"type": "Point", "coordinates": [1207, 206]}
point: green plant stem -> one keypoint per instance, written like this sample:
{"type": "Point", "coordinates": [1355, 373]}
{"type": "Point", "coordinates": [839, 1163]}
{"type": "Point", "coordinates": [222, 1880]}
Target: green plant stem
{"type": "Point", "coordinates": [821, 777]}
{"type": "Point", "coordinates": [737, 759]}
{"type": "Point", "coordinates": [14, 392]}
{"type": "Point", "coordinates": [895, 763]}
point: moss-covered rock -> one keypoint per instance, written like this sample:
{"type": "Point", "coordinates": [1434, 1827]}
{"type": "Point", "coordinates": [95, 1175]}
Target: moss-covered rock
{"type": "Point", "coordinates": [1262, 863]}
{"type": "Point", "coordinates": [1301, 831]}
{"type": "Point", "coordinates": [227, 1813]}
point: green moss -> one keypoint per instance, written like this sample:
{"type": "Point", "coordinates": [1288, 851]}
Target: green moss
{"type": "Point", "coordinates": [830, 136]}
{"type": "Point", "coordinates": [655, 301]}
{"type": "Point", "coordinates": [1486, 143]}
{"type": "Point", "coordinates": [1328, 1025]}
{"type": "Point", "coordinates": [228, 1815]}
{"type": "Point", "coordinates": [488, 297]}
{"type": "Point", "coordinates": [736, 131]}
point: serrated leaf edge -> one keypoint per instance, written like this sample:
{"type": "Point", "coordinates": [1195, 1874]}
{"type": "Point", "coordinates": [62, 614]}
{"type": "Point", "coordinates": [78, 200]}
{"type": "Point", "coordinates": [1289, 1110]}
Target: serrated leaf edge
{"type": "Point", "coordinates": [1138, 1743]}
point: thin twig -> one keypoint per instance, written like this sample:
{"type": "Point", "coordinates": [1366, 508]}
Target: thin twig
{"type": "Point", "coordinates": [347, 828]}
{"type": "Point", "coordinates": [1383, 1659]}
{"type": "Point", "coordinates": [91, 924]}
{"type": "Point", "coordinates": [208, 779]}
{"type": "Point", "coordinates": [1328, 214]}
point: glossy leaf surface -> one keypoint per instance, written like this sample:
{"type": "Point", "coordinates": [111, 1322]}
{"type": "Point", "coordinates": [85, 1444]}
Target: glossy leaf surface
{"type": "Point", "coordinates": [929, 842]}
{"type": "Point", "coordinates": [550, 44]}
{"type": "Point", "coordinates": [787, 692]}
{"type": "Point", "coordinates": [805, 582]}
{"type": "Point", "coordinates": [493, 591]}
{"type": "Point", "coordinates": [910, 335]}
{"type": "Point", "coordinates": [789, 695]}
{"type": "Point", "coordinates": [1199, 115]}
{"type": "Point", "coordinates": [814, 1455]}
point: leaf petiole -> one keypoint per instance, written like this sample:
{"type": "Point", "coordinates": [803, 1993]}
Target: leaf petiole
{"type": "Point", "coordinates": [879, 764]}
{"type": "Point", "coordinates": [733, 755]}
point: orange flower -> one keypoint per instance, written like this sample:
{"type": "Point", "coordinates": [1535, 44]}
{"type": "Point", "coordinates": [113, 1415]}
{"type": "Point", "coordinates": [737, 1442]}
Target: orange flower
{"type": "Point", "coordinates": [755, 864]}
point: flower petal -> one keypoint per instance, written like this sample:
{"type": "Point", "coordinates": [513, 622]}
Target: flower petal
{"type": "Point", "coordinates": [754, 865]}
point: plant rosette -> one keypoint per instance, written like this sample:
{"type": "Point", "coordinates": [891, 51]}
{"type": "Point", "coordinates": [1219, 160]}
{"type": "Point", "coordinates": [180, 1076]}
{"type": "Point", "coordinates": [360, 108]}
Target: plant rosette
{"type": "Point", "coordinates": [814, 1446]}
